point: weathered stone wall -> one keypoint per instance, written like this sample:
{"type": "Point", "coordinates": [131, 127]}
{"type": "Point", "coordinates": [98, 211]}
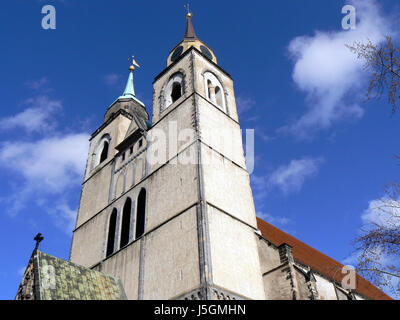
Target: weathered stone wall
{"type": "Point", "coordinates": [95, 194]}
{"type": "Point", "coordinates": [220, 132]}
{"type": "Point", "coordinates": [227, 186]}
{"type": "Point", "coordinates": [177, 126]}
{"type": "Point", "coordinates": [171, 260]}
{"type": "Point", "coordinates": [269, 255]}
{"type": "Point", "coordinates": [277, 285]}
{"type": "Point", "coordinates": [234, 255]}
{"type": "Point", "coordinates": [89, 240]}
{"type": "Point", "coordinates": [125, 265]}
{"type": "Point", "coordinates": [171, 190]}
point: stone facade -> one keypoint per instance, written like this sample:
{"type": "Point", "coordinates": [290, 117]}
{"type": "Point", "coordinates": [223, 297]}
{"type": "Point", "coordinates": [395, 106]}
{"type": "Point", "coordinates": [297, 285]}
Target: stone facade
{"type": "Point", "coordinates": [167, 208]}
{"type": "Point", "coordinates": [191, 214]}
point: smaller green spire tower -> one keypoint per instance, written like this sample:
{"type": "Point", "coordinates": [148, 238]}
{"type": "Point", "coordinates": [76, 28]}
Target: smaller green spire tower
{"type": "Point", "coordinates": [128, 100]}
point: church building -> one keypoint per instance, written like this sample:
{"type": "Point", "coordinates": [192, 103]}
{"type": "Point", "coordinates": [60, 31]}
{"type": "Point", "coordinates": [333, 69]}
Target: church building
{"type": "Point", "coordinates": [167, 211]}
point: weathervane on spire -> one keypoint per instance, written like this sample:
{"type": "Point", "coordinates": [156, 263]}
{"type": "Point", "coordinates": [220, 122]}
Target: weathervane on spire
{"type": "Point", "coordinates": [187, 7]}
{"type": "Point", "coordinates": [134, 63]}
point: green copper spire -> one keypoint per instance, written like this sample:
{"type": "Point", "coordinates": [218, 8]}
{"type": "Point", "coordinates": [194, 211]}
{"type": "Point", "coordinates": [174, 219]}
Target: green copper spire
{"type": "Point", "coordinates": [127, 101]}
{"type": "Point", "coordinates": [129, 92]}
{"type": "Point", "coordinates": [129, 89]}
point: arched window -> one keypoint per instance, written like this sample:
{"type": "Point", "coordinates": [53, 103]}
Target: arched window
{"type": "Point", "coordinates": [101, 152]}
{"type": "Point", "coordinates": [173, 90]}
{"type": "Point", "coordinates": [126, 221]}
{"type": "Point", "coordinates": [111, 232]}
{"type": "Point", "coordinates": [104, 152]}
{"type": "Point", "coordinates": [176, 91]}
{"type": "Point", "coordinates": [140, 213]}
{"type": "Point", "coordinates": [214, 90]}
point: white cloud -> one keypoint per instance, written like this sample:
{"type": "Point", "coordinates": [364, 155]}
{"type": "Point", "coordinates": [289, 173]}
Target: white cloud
{"type": "Point", "coordinates": [45, 172]}
{"type": "Point", "coordinates": [46, 169]}
{"type": "Point", "coordinates": [245, 108]}
{"type": "Point", "coordinates": [244, 104]}
{"type": "Point", "coordinates": [260, 132]}
{"type": "Point", "coordinates": [382, 212]}
{"type": "Point", "coordinates": [49, 163]}
{"type": "Point", "coordinates": [330, 74]}
{"type": "Point", "coordinates": [291, 177]}
{"type": "Point", "coordinates": [351, 260]}
{"type": "Point", "coordinates": [288, 178]}
{"type": "Point", "coordinates": [111, 79]}
{"type": "Point", "coordinates": [64, 217]}
{"type": "Point", "coordinates": [37, 118]}
{"type": "Point", "coordinates": [259, 187]}
{"type": "Point", "coordinates": [276, 221]}
{"type": "Point", "coordinates": [40, 84]}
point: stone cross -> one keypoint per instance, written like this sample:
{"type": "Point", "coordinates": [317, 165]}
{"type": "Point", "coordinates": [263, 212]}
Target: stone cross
{"type": "Point", "coordinates": [38, 238]}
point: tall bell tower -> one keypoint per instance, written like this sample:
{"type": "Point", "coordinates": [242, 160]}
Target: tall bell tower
{"type": "Point", "coordinates": [168, 207]}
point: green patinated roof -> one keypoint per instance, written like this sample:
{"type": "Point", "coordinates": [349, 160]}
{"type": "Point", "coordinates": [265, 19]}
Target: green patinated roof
{"type": "Point", "coordinates": [63, 280]}
{"type": "Point", "coordinates": [129, 92]}
{"type": "Point", "coordinates": [129, 89]}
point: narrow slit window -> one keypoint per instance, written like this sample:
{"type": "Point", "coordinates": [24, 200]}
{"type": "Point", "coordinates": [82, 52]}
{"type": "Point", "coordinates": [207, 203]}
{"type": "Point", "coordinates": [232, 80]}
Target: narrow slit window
{"type": "Point", "coordinates": [126, 221]}
{"type": "Point", "coordinates": [111, 232]}
{"type": "Point", "coordinates": [141, 213]}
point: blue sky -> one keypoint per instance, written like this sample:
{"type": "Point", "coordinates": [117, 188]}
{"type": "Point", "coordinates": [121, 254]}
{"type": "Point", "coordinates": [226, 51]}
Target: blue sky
{"type": "Point", "coordinates": [323, 154]}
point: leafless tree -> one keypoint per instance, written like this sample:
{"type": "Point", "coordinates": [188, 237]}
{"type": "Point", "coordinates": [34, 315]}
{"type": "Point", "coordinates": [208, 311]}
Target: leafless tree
{"type": "Point", "coordinates": [383, 62]}
{"type": "Point", "coordinates": [378, 246]}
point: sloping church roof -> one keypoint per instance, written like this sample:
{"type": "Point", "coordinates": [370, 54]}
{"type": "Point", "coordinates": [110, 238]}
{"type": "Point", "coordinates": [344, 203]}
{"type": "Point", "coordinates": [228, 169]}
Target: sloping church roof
{"type": "Point", "coordinates": [318, 261]}
{"type": "Point", "coordinates": [52, 278]}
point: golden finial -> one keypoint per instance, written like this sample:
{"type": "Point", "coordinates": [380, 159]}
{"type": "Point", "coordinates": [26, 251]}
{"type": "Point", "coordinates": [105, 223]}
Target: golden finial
{"type": "Point", "coordinates": [134, 63]}
{"type": "Point", "coordinates": [188, 14]}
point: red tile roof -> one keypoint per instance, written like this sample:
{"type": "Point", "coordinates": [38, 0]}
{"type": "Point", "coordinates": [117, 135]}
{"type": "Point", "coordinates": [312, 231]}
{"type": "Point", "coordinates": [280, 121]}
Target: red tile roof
{"type": "Point", "coordinates": [304, 254]}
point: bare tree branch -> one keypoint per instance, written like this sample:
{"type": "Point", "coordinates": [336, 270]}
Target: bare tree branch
{"type": "Point", "coordinates": [381, 271]}
{"type": "Point", "coordinates": [384, 64]}
{"type": "Point", "coordinates": [378, 246]}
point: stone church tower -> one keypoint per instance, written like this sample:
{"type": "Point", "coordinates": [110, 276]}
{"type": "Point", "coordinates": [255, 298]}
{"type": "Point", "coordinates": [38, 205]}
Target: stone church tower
{"type": "Point", "coordinates": [167, 207]}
